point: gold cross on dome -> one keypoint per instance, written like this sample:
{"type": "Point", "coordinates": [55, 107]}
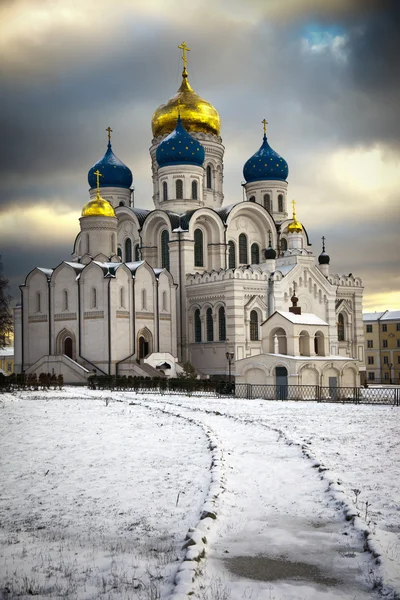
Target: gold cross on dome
{"type": "Point", "coordinates": [294, 209]}
{"type": "Point", "coordinates": [265, 123]}
{"type": "Point", "coordinates": [98, 175]}
{"type": "Point", "coordinates": [184, 47]}
{"type": "Point", "coordinates": [109, 130]}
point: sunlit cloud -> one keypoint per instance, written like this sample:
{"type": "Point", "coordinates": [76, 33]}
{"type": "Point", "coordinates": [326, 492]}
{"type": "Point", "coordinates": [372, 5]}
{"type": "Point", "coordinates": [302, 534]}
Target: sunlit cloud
{"type": "Point", "coordinates": [39, 225]}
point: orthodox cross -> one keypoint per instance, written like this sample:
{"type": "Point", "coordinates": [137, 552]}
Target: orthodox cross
{"type": "Point", "coordinates": [98, 175]}
{"type": "Point", "coordinates": [323, 243]}
{"type": "Point", "coordinates": [265, 123]}
{"type": "Point", "coordinates": [109, 130]}
{"type": "Point", "coordinates": [294, 209]}
{"type": "Point", "coordinates": [184, 49]}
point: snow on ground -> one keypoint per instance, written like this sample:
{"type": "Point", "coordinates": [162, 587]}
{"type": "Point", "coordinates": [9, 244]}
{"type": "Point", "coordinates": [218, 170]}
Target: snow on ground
{"type": "Point", "coordinates": [309, 497]}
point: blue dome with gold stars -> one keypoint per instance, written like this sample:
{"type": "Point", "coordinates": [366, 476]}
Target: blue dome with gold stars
{"type": "Point", "coordinates": [265, 164]}
{"type": "Point", "coordinates": [114, 172]}
{"type": "Point", "coordinates": [180, 148]}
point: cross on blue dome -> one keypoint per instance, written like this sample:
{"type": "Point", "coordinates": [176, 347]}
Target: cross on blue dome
{"type": "Point", "coordinates": [115, 173]}
{"type": "Point", "coordinates": [180, 148]}
{"type": "Point", "coordinates": [265, 164]}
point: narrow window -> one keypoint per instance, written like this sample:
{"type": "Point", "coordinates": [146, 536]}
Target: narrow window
{"type": "Point", "coordinates": [384, 344]}
{"type": "Point", "coordinates": [253, 326]}
{"type": "Point", "coordinates": [38, 302]}
{"type": "Point", "coordinates": [198, 248]}
{"type": "Point", "coordinates": [370, 360]}
{"type": "Point", "coordinates": [243, 248]}
{"type": "Point", "coordinates": [371, 376]}
{"type": "Point", "coordinates": [137, 252]}
{"type": "Point", "coordinates": [369, 328]}
{"type": "Point", "coordinates": [197, 326]}
{"type": "Point", "coordinates": [65, 300]}
{"type": "Point", "coordinates": [144, 299]}
{"type": "Point", "coordinates": [94, 298]}
{"type": "Point", "coordinates": [179, 189]}
{"type": "Point", "coordinates": [267, 202]}
{"type": "Point", "coordinates": [165, 191]}
{"type": "Point", "coordinates": [208, 177]}
{"type": "Point", "coordinates": [384, 327]}
{"type": "Point", "coordinates": [221, 324]}
{"type": "Point", "coordinates": [252, 199]}
{"type": "Point", "coordinates": [122, 297]}
{"type": "Point", "coordinates": [128, 250]}
{"type": "Point", "coordinates": [119, 252]}
{"type": "Point", "coordinates": [385, 360]}
{"type": "Point", "coordinates": [231, 255]}
{"type": "Point", "coordinates": [283, 244]}
{"type": "Point", "coordinates": [194, 190]}
{"type": "Point", "coordinates": [209, 325]}
{"type": "Point", "coordinates": [340, 327]}
{"type": "Point", "coordinates": [165, 250]}
{"type": "Point", "coordinates": [280, 203]}
{"type": "Point", "coordinates": [255, 254]}
{"type": "Point", "coordinates": [112, 243]}
{"type": "Point", "coordinates": [88, 243]}
{"type": "Point", "coordinates": [370, 344]}
{"type": "Point", "coordinates": [164, 301]}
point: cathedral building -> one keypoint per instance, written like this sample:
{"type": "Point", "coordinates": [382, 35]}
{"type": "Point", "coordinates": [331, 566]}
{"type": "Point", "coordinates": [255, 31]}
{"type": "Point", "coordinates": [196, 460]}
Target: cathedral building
{"type": "Point", "coordinates": [195, 279]}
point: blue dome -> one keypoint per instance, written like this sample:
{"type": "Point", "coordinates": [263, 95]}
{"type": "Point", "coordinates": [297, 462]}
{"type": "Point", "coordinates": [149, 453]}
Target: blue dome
{"type": "Point", "coordinates": [265, 164]}
{"type": "Point", "coordinates": [180, 148]}
{"type": "Point", "coordinates": [115, 173]}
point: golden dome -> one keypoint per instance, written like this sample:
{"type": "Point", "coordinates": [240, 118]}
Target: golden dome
{"type": "Point", "coordinates": [98, 208]}
{"type": "Point", "coordinates": [295, 226]}
{"type": "Point", "coordinates": [196, 113]}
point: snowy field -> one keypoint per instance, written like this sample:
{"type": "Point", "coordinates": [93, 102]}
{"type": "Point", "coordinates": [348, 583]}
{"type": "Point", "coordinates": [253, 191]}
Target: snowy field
{"type": "Point", "coordinates": [127, 496]}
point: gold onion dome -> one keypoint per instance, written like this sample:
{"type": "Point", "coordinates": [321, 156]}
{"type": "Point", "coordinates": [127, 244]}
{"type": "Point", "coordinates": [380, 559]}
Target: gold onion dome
{"type": "Point", "coordinates": [295, 226]}
{"type": "Point", "coordinates": [98, 207]}
{"type": "Point", "coordinates": [197, 114]}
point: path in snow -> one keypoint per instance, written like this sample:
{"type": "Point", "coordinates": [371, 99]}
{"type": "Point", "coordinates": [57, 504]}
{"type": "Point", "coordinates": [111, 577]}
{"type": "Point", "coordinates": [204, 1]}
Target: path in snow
{"type": "Point", "coordinates": [277, 536]}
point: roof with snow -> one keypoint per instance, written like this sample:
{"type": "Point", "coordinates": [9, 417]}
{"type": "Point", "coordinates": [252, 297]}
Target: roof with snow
{"type": "Point", "coordinates": [386, 315]}
{"type": "Point", "coordinates": [303, 319]}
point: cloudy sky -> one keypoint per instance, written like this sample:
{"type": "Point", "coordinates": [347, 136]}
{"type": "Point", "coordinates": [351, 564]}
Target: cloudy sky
{"type": "Point", "coordinates": [324, 73]}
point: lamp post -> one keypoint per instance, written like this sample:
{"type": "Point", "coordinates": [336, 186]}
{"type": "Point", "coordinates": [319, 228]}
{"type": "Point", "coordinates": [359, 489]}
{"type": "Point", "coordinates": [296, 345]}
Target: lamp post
{"type": "Point", "coordinates": [390, 366]}
{"type": "Point", "coordinates": [229, 358]}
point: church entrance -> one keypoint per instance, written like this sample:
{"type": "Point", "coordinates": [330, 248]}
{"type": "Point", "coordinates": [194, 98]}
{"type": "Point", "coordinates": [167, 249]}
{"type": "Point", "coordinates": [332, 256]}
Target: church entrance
{"type": "Point", "coordinates": [143, 347]}
{"type": "Point", "coordinates": [68, 347]}
{"type": "Point", "coordinates": [281, 379]}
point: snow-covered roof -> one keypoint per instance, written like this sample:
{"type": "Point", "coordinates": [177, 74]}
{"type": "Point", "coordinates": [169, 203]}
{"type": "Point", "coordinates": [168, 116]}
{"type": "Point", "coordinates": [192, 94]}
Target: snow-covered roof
{"type": "Point", "coordinates": [386, 315]}
{"type": "Point", "coordinates": [303, 319]}
{"type": "Point", "coordinates": [7, 351]}
{"type": "Point", "coordinates": [285, 269]}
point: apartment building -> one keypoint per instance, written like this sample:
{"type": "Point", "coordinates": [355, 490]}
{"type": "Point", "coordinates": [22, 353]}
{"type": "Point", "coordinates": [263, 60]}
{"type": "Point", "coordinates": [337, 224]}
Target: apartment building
{"type": "Point", "coordinates": [382, 346]}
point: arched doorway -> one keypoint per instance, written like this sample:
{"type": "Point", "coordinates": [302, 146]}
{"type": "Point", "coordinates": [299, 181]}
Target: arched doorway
{"type": "Point", "coordinates": [281, 380]}
{"type": "Point", "coordinates": [143, 347]}
{"type": "Point", "coordinates": [68, 347]}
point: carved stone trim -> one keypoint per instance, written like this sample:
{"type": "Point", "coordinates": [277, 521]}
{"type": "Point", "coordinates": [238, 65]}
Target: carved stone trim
{"type": "Point", "coordinates": [37, 318]}
{"type": "Point", "coordinates": [65, 317]}
{"type": "Point", "coordinates": [93, 314]}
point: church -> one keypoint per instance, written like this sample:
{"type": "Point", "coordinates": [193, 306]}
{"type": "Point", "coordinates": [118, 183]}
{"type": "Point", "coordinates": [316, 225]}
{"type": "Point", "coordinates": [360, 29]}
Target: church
{"type": "Point", "coordinates": [195, 279]}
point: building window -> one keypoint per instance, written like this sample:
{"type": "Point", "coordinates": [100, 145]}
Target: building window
{"type": "Point", "coordinates": [194, 190]}
{"type": "Point", "coordinates": [398, 343]}
{"type": "Point", "coordinates": [280, 203]}
{"type": "Point", "coordinates": [9, 367]}
{"type": "Point", "coordinates": [371, 376]}
{"type": "Point", "coordinates": [164, 302]}
{"type": "Point", "coordinates": [119, 252]}
{"type": "Point", "coordinates": [65, 300]}
{"type": "Point", "coordinates": [113, 243]}
{"type": "Point", "coordinates": [137, 252]}
{"type": "Point", "coordinates": [384, 343]}
{"type": "Point", "coordinates": [385, 360]}
{"type": "Point", "coordinates": [165, 191]}
{"type": "Point", "coordinates": [267, 202]}
{"type": "Point", "coordinates": [255, 254]}
{"type": "Point", "coordinates": [253, 326]}
{"type": "Point", "coordinates": [208, 177]}
{"type": "Point", "coordinates": [231, 255]}
{"type": "Point", "coordinates": [384, 327]}
{"type": "Point", "coordinates": [122, 297]}
{"type": "Point", "coordinates": [94, 298]}
{"type": "Point", "coordinates": [370, 344]}
{"type": "Point", "coordinates": [369, 328]}
{"type": "Point", "coordinates": [128, 250]}
{"type": "Point", "coordinates": [243, 249]}
{"type": "Point", "coordinates": [221, 324]}
{"type": "Point", "coordinates": [397, 326]}
{"type": "Point", "coordinates": [209, 325]}
{"type": "Point", "coordinates": [252, 199]}
{"type": "Point", "coordinates": [197, 326]}
{"type": "Point", "coordinates": [144, 299]}
{"type": "Point", "coordinates": [340, 328]}
{"type": "Point", "coordinates": [398, 359]}
{"type": "Point", "coordinates": [370, 360]}
{"type": "Point", "coordinates": [283, 244]}
{"type": "Point", "coordinates": [179, 189]}
{"type": "Point", "coordinates": [198, 248]}
{"type": "Point", "coordinates": [165, 250]}
{"type": "Point", "coordinates": [38, 302]}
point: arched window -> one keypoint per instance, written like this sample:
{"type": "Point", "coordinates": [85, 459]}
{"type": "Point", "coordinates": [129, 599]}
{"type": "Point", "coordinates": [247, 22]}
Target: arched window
{"type": "Point", "coordinates": [221, 324]}
{"type": "Point", "coordinates": [255, 254]}
{"type": "Point", "coordinates": [93, 300]}
{"type": "Point", "coordinates": [119, 252]}
{"type": "Point", "coordinates": [267, 202]}
{"type": "Point", "coordinates": [144, 299]}
{"type": "Point", "coordinates": [38, 302]}
{"type": "Point", "coordinates": [112, 243]}
{"type": "Point", "coordinates": [65, 300]}
{"type": "Point", "coordinates": [243, 249]}
{"type": "Point", "coordinates": [280, 203]}
{"type": "Point", "coordinates": [252, 199]}
{"type": "Point", "coordinates": [253, 326]}
{"type": "Point", "coordinates": [197, 326]}
{"type": "Point", "coordinates": [340, 328]}
{"type": "Point", "coordinates": [209, 325]}
{"type": "Point", "coordinates": [164, 301]}
{"type": "Point", "coordinates": [165, 191]}
{"type": "Point", "coordinates": [122, 297]}
{"type": "Point", "coordinates": [165, 250]}
{"type": "Point", "coordinates": [179, 189]}
{"type": "Point", "coordinates": [208, 177]}
{"type": "Point", "coordinates": [137, 252]}
{"type": "Point", "coordinates": [194, 190]}
{"type": "Point", "coordinates": [231, 255]}
{"type": "Point", "coordinates": [68, 347]}
{"type": "Point", "coordinates": [88, 243]}
{"type": "Point", "coordinates": [128, 250]}
{"type": "Point", "coordinates": [198, 248]}
{"type": "Point", "coordinates": [283, 244]}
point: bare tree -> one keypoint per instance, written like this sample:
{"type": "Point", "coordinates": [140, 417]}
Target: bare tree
{"type": "Point", "coordinates": [5, 312]}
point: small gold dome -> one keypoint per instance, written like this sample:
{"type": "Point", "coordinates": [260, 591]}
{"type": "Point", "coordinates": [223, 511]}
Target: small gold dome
{"type": "Point", "coordinates": [98, 208]}
{"type": "Point", "coordinates": [295, 227]}
{"type": "Point", "coordinates": [196, 113]}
